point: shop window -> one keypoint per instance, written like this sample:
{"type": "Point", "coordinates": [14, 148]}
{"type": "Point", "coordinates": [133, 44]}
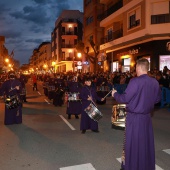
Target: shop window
{"type": "Point", "coordinates": [115, 66]}
{"type": "Point", "coordinates": [164, 60]}
{"type": "Point", "coordinates": [126, 64]}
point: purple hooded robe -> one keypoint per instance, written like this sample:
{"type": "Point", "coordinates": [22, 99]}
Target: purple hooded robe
{"type": "Point", "coordinates": [140, 97]}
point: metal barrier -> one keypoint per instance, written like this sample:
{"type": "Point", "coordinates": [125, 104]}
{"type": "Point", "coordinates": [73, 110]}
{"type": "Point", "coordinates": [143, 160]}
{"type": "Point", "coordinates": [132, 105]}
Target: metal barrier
{"type": "Point", "coordinates": [165, 97]}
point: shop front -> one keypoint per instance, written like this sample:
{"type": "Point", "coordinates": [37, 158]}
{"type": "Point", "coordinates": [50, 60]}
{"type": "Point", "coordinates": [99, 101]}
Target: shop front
{"type": "Point", "coordinates": [157, 53]}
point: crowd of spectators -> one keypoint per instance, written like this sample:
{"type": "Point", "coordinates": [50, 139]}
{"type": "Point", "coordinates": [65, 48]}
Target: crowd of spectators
{"type": "Point", "coordinates": [110, 79]}
{"type": "Point", "coordinates": [105, 78]}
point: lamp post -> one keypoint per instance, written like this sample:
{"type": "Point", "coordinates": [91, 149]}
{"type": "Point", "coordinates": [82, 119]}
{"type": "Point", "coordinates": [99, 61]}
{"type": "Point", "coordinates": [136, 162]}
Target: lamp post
{"type": "Point", "coordinates": [80, 62]}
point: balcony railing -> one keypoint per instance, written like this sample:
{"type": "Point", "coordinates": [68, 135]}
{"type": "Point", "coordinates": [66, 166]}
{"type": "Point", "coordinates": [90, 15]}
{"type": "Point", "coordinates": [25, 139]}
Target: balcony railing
{"type": "Point", "coordinates": [158, 19]}
{"type": "Point", "coordinates": [67, 46]}
{"type": "Point", "coordinates": [111, 10]}
{"type": "Point", "coordinates": [110, 37]}
{"type": "Point", "coordinates": [69, 33]}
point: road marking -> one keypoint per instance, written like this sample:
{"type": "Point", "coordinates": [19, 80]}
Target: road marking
{"type": "Point", "coordinates": [39, 93]}
{"type": "Point", "coordinates": [167, 151]}
{"type": "Point", "coordinates": [71, 127]}
{"type": "Point", "coordinates": [156, 166]}
{"type": "Point", "coordinates": [47, 101]}
{"type": "Point", "coordinates": [87, 166]}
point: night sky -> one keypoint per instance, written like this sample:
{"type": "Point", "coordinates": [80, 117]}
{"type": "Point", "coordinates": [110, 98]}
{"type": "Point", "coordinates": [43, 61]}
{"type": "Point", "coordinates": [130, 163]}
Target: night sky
{"type": "Point", "coordinates": [27, 23]}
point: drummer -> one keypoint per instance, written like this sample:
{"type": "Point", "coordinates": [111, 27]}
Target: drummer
{"type": "Point", "coordinates": [12, 87]}
{"type": "Point", "coordinates": [73, 107]}
{"type": "Point", "coordinates": [88, 95]}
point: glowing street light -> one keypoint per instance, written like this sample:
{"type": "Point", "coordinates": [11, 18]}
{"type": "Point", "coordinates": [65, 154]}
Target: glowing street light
{"type": "Point", "coordinates": [79, 55]}
{"type": "Point", "coordinates": [7, 60]}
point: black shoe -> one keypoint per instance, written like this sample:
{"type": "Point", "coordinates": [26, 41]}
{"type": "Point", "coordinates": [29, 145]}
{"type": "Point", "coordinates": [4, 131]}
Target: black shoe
{"type": "Point", "coordinates": [96, 131]}
{"type": "Point", "coordinates": [83, 131]}
{"type": "Point", "coordinates": [76, 116]}
{"type": "Point", "coordinates": [69, 116]}
{"type": "Point", "coordinates": [25, 101]}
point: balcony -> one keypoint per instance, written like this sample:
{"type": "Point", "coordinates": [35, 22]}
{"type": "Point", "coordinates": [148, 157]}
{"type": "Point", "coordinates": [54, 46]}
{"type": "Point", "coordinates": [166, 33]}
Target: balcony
{"type": "Point", "coordinates": [111, 10]}
{"type": "Point", "coordinates": [69, 33]}
{"type": "Point", "coordinates": [67, 46]}
{"type": "Point", "coordinates": [159, 19]}
{"type": "Point", "coordinates": [110, 37]}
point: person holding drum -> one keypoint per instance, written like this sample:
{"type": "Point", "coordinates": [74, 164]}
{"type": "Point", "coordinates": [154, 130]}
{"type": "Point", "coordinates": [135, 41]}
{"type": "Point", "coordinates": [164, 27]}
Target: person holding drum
{"type": "Point", "coordinates": [11, 89]}
{"type": "Point", "coordinates": [73, 101]}
{"type": "Point", "coordinates": [88, 95]}
{"type": "Point", "coordinates": [140, 96]}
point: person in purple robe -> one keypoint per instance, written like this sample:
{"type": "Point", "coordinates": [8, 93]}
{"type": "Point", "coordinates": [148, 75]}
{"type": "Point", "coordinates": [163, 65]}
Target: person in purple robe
{"type": "Point", "coordinates": [140, 96]}
{"type": "Point", "coordinates": [11, 89]}
{"type": "Point", "coordinates": [88, 95]}
{"type": "Point", "coordinates": [74, 104]}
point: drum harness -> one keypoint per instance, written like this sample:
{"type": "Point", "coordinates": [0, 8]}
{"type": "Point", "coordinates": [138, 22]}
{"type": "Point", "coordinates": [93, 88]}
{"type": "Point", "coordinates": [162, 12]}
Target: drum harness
{"type": "Point", "coordinates": [12, 97]}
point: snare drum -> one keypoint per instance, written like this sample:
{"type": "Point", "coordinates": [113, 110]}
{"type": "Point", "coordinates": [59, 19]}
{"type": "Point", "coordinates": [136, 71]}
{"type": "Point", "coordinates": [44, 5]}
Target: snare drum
{"type": "Point", "coordinates": [73, 96]}
{"type": "Point", "coordinates": [119, 115]}
{"type": "Point", "coordinates": [12, 102]}
{"type": "Point", "coordinates": [93, 112]}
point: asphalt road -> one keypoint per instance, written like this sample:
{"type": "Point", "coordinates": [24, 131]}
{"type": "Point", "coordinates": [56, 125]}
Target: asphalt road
{"type": "Point", "coordinates": [47, 140]}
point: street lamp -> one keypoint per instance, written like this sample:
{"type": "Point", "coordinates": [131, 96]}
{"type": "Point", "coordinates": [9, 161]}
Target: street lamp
{"type": "Point", "coordinates": [7, 60]}
{"type": "Point", "coordinates": [79, 55]}
{"type": "Point", "coordinates": [53, 65]}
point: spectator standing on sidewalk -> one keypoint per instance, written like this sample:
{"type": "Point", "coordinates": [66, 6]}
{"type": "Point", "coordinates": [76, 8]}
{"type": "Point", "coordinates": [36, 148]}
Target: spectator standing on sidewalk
{"type": "Point", "coordinates": [34, 80]}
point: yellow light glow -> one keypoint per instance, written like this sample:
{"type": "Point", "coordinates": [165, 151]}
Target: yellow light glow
{"type": "Point", "coordinates": [53, 63]}
{"type": "Point", "coordinates": [78, 55]}
{"type": "Point", "coordinates": [6, 60]}
{"type": "Point", "coordinates": [45, 65]}
{"type": "Point", "coordinates": [125, 56]}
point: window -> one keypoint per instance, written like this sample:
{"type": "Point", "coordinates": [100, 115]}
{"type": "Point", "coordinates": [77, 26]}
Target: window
{"type": "Point", "coordinates": [88, 1]}
{"type": "Point", "coordinates": [134, 18]}
{"type": "Point", "coordinates": [89, 20]}
{"type": "Point", "coordinates": [110, 34]}
{"type": "Point", "coordinates": [160, 12]}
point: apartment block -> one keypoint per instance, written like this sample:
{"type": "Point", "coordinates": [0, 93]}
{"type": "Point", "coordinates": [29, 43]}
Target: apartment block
{"type": "Point", "coordinates": [135, 29]}
{"type": "Point", "coordinates": [66, 34]}
{"type": "Point", "coordinates": [93, 31]}
{"type": "Point", "coordinates": [40, 61]}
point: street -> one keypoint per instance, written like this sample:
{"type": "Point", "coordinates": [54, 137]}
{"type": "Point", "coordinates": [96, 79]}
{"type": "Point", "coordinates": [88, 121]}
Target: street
{"type": "Point", "coordinates": [47, 140]}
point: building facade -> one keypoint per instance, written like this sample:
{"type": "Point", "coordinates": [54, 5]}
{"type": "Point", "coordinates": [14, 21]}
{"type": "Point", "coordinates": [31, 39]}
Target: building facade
{"type": "Point", "coordinates": [41, 60]}
{"type": "Point", "coordinates": [66, 34]}
{"type": "Point", "coordinates": [135, 29]}
{"type": "Point", "coordinates": [92, 31]}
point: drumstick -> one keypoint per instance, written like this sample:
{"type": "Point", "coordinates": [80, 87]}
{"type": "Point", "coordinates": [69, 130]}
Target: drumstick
{"type": "Point", "coordinates": [107, 94]}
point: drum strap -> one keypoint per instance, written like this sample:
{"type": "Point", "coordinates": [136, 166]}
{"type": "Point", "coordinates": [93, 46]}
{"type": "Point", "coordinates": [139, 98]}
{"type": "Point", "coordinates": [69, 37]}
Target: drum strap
{"type": "Point", "coordinates": [91, 96]}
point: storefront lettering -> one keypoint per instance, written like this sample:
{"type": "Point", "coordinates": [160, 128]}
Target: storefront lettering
{"type": "Point", "coordinates": [134, 51]}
